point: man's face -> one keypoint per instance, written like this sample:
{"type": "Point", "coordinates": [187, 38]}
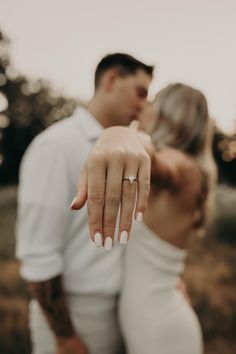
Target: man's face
{"type": "Point", "coordinates": [129, 95]}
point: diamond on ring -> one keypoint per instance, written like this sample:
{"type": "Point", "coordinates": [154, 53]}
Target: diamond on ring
{"type": "Point", "coordinates": [131, 179]}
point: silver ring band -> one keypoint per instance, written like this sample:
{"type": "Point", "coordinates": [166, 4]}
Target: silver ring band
{"type": "Point", "coordinates": [131, 179]}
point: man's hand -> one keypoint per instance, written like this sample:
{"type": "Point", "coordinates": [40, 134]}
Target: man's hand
{"type": "Point", "coordinates": [70, 345]}
{"type": "Point", "coordinates": [119, 153]}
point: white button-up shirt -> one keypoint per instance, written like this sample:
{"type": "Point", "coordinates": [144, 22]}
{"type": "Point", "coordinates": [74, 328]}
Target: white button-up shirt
{"type": "Point", "coordinates": [52, 239]}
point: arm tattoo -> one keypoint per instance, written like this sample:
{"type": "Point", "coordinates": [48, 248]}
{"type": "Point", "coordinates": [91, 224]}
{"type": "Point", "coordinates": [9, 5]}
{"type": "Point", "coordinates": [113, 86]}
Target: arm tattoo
{"type": "Point", "coordinates": [51, 297]}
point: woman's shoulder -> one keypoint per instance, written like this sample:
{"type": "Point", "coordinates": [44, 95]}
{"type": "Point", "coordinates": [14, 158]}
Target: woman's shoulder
{"type": "Point", "coordinates": [187, 169]}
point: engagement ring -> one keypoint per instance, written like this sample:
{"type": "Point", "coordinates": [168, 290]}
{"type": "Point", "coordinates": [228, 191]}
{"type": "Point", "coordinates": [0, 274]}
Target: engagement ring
{"type": "Point", "coordinates": [131, 179]}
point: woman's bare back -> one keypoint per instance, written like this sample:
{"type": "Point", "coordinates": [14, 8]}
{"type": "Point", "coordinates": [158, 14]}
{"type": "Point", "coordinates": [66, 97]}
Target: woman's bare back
{"type": "Point", "coordinates": [173, 209]}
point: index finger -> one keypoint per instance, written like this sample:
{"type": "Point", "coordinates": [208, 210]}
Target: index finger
{"type": "Point", "coordinates": [81, 197]}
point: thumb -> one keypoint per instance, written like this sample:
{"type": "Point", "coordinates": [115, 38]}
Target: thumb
{"type": "Point", "coordinates": [134, 125]}
{"type": "Point", "coordinates": [81, 197]}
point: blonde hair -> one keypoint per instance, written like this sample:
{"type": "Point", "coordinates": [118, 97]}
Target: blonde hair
{"type": "Point", "coordinates": [181, 119]}
{"type": "Point", "coordinates": [182, 122]}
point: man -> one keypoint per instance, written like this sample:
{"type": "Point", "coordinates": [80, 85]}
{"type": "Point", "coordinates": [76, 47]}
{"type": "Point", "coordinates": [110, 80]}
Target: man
{"type": "Point", "coordinates": [74, 283]}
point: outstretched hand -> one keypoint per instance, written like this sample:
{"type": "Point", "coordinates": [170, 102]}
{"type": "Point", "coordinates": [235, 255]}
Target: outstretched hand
{"type": "Point", "coordinates": [119, 153]}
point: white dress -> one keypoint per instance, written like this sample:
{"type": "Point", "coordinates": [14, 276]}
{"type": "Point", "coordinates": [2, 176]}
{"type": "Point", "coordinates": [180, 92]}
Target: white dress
{"type": "Point", "coordinates": [155, 318]}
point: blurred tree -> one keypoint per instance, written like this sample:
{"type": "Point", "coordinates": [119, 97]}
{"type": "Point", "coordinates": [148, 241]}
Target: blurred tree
{"type": "Point", "coordinates": [26, 108]}
{"type": "Point", "coordinates": [224, 151]}
{"type": "Point", "coordinates": [29, 106]}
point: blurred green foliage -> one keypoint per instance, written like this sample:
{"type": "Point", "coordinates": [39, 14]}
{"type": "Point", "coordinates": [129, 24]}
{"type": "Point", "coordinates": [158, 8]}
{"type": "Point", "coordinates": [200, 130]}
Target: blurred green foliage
{"type": "Point", "coordinates": [29, 106]}
{"type": "Point", "coordinates": [224, 151]}
{"type": "Point", "coordinates": [26, 108]}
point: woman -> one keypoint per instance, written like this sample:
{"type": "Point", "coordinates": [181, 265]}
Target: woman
{"type": "Point", "coordinates": [155, 317]}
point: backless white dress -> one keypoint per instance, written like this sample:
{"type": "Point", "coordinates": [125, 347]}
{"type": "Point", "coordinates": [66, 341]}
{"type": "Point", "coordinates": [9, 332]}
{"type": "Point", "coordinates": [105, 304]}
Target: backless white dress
{"type": "Point", "coordinates": [155, 318]}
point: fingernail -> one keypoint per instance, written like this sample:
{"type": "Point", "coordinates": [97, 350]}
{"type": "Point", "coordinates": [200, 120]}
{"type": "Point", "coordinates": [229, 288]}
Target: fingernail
{"type": "Point", "coordinates": [124, 237]}
{"type": "Point", "coordinates": [139, 217]}
{"type": "Point", "coordinates": [108, 244]}
{"type": "Point", "coordinates": [98, 239]}
{"type": "Point", "coordinates": [73, 203]}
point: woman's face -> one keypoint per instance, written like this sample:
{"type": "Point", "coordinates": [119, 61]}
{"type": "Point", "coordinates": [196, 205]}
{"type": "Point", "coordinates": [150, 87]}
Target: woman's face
{"type": "Point", "coordinates": [147, 118]}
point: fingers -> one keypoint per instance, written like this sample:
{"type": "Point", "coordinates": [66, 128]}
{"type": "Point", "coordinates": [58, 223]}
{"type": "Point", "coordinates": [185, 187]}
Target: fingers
{"type": "Point", "coordinates": [106, 191]}
{"type": "Point", "coordinates": [81, 197]}
{"type": "Point", "coordinates": [144, 175]}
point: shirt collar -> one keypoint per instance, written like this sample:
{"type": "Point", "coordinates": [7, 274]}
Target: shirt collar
{"type": "Point", "coordinates": [87, 122]}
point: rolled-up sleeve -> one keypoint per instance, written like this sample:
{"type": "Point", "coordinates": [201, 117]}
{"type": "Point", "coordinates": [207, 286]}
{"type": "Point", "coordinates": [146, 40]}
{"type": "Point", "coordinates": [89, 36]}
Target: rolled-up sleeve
{"type": "Point", "coordinates": [43, 211]}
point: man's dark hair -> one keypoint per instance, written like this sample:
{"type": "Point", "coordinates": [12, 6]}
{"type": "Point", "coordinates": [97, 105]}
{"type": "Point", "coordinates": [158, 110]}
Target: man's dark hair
{"type": "Point", "coordinates": [124, 63]}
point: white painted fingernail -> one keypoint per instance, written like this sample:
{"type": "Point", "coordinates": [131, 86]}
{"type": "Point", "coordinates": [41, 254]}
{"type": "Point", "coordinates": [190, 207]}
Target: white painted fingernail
{"type": "Point", "coordinates": [108, 244]}
{"type": "Point", "coordinates": [73, 202]}
{"type": "Point", "coordinates": [139, 217]}
{"type": "Point", "coordinates": [98, 239]}
{"type": "Point", "coordinates": [124, 237]}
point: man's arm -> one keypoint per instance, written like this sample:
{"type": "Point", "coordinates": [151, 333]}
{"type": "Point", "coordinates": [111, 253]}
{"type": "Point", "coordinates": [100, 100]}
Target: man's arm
{"type": "Point", "coordinates": [42, 223]}
{"type": "Point", "coordinates": [51, 297]}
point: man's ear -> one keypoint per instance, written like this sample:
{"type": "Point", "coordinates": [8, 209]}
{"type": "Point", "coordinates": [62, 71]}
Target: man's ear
{"type": "Point", "coordinates": [109, 79]}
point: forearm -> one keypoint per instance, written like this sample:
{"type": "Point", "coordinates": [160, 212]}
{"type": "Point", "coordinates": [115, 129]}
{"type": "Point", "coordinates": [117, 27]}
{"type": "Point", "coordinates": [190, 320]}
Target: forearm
{"type": "Point", "coordinates": [51, 297]}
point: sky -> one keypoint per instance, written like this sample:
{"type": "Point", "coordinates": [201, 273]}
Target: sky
{"type": "Point", "coordinates": [192, 41]}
